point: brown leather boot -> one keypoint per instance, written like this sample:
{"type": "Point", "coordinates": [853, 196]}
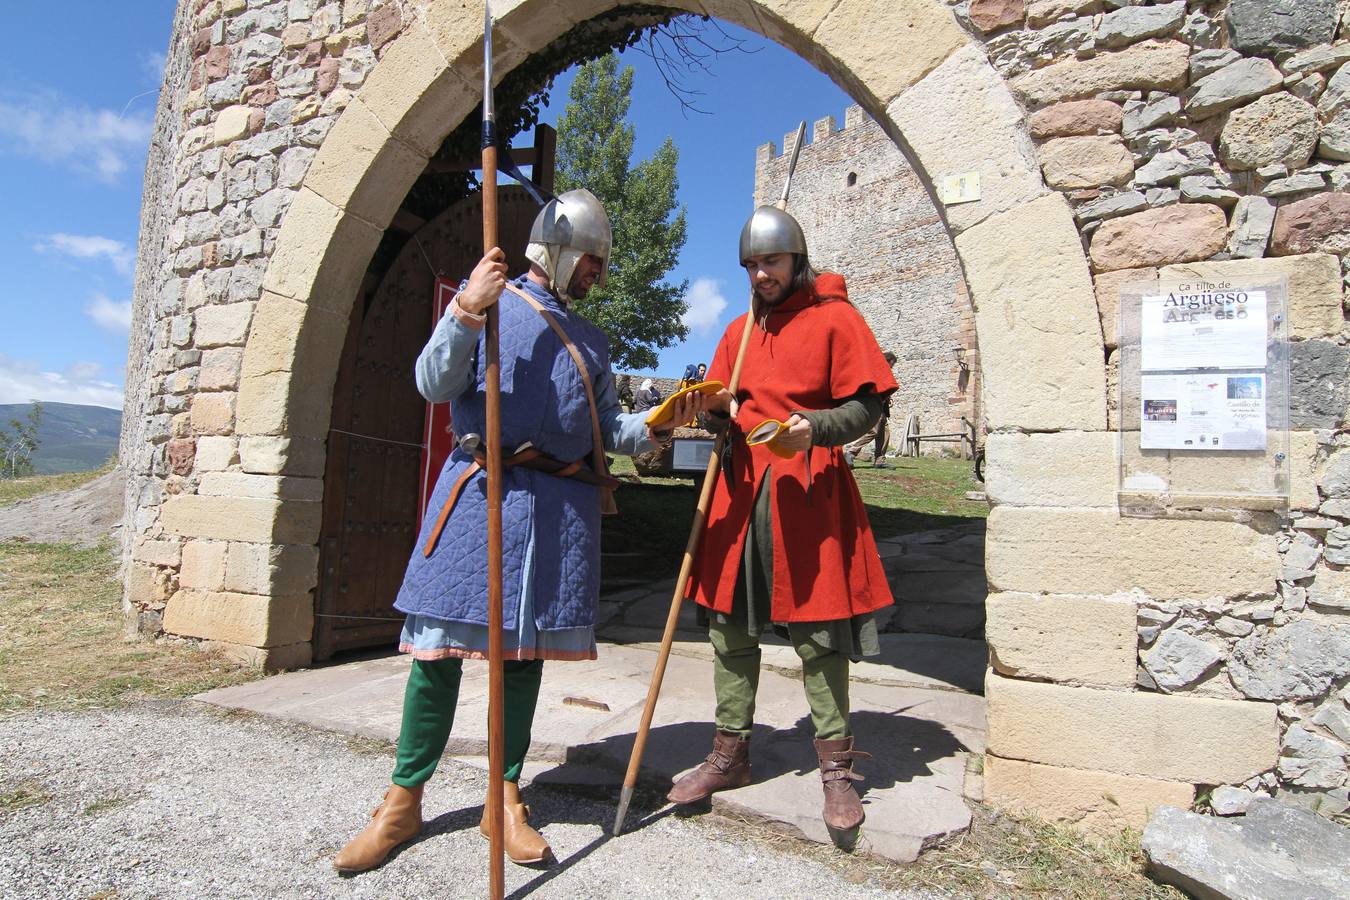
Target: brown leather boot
{"type": "Point", "coordinates": [395, 821]}
{"type": "Point", "coordinates": [728, 766]}
{"type": "Point", "coordinates": [523, 845]}
{"type": "Point", "coordinates": [843, 808]}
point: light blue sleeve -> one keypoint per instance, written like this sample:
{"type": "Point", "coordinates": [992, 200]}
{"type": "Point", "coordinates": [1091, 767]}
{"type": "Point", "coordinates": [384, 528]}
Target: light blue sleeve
{"type": "Point", "coordinates": [622, 432]}
{"type": "Point", "coordinates": [444, 367]}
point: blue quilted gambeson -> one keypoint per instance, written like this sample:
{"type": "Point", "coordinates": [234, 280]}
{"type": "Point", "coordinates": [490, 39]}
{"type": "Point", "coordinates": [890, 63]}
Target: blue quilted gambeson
{"type": "Point", "coordinates": [550, 525]}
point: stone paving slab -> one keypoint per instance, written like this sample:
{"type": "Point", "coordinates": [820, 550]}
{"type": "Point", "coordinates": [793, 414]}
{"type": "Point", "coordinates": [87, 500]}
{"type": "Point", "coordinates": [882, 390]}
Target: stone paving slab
{"type": "Point", "coordinates": [920, 735]}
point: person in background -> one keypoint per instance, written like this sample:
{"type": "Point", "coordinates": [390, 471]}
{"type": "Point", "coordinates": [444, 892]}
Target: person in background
{"type": "Point", "coordinates": [647, 397]}
{"type": "Point", "coordinates": [878, 436]}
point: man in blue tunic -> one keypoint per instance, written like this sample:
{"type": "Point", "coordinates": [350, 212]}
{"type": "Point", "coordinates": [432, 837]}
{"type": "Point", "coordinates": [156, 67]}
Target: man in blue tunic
{"type": "Point", "coordinates": [559, 413]}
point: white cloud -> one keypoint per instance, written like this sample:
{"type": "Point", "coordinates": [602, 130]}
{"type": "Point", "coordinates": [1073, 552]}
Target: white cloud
{"type": "Point", "coordinates": [88, 247]}
{"type": "Point", "coordinates": [109, 314]}
{"type": "Point", "coordinates": [152, 66]}
{"type": "Point", "coordinates": [22, 381]}
{"type": "Point", "coordinates": [97, 141]}
{"type": "Point", "coordinates": [705, 305]}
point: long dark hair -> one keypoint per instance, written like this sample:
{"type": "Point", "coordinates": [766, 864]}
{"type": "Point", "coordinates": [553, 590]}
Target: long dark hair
{"type": "Point", "coordinates": [803, 276]}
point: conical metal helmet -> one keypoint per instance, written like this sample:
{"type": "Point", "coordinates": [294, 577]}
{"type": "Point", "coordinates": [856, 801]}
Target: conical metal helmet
{"type": "Point", "coordinates": [567, 228]}
{"type": "Point", "coordinates": [771, 230]}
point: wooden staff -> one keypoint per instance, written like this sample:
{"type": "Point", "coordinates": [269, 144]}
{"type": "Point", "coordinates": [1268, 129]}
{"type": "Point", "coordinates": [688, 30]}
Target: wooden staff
{"type": "Point", "coordinates": [695, 535]}
{"type": "Point", "coordinates": [493, 439]}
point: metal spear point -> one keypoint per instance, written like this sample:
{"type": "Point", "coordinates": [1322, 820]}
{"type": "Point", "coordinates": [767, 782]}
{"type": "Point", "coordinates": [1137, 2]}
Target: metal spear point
{"type": "Point", "coordinates": [691, 546]}
{"type": "Point", "coordinates": [493, 436]}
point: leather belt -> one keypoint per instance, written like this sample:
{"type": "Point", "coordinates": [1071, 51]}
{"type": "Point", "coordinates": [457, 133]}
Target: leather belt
{"type": "Point", "coordinates": [526, 458]}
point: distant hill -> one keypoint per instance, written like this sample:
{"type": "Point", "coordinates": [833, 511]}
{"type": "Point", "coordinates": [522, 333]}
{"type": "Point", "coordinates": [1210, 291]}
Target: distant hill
{"type": "Point", "coordinates": [72, 437]}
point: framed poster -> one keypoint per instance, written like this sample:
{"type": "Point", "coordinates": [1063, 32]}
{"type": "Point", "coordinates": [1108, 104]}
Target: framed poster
{"type": "Point", "coordinates": [1202, 411]}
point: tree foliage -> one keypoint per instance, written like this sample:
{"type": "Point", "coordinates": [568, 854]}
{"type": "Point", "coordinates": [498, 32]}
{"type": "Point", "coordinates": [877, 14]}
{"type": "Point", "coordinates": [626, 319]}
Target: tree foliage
{"type": "Point", "coordinates": [638, 308]}
{"type": "Point", "coordinates": [19, 442]}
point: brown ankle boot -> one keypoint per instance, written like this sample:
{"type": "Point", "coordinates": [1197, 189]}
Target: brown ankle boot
{"type": "Point", "coordinates": [843, 809]}
{"type": "Point", "coordinates": [728, 766]}
{"type": "Point", "coordinates": [395, 821]}
{"type": "Point", "coordinates": [523, 845]}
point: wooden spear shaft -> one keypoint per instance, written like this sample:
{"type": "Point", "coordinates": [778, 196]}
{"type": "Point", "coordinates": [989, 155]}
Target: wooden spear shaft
{"type": "Point", "coordinates": [493, 429]}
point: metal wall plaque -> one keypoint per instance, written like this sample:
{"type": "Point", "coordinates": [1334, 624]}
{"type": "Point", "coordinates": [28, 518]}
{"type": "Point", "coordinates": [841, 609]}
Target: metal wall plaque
{"type": "Point", "coordinates": [1203, 415]}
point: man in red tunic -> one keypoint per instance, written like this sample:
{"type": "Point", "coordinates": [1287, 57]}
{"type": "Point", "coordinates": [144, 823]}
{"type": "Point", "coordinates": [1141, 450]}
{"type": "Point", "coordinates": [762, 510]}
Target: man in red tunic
{"type": "Point", "coordinates": [787, 542]}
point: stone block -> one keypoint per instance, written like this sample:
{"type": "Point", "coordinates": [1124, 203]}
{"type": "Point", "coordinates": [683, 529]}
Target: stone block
{"type": "Point", "coordinates": [1158, 237]}
{"type": "Point", "coordinates": [321, 254]}
{"type": "Point", "coordinates": [1265, 28]}
{"type": "Point", "coordinates": [291, 336]}
{"type": "Point", "coordinates": [1061, 638]}
{"type": "Point", "coordinates": [1253, 219]}
{"type": "Point", "coordinates": [276, 403]}
{"type": "Point", "coordinates": [213, 413]}
{"type": "Point", "coordinates": [203, 565]}
{"type": "Point", "coordinates": [1077, 117]}
{"type": "Point", "coordinates": [1099, 803]}
{"type": "Point", "coordinates": [1108, 286]}
{"type": "Point", "coordinates": [269, 659]}
{"type": "Point", "coordinates": [1231, 86]}
{"type": "Point", "coordinates": [252, 520]}
{"type": "Point", "coordinates": [220, 326]}
{"type": "Point", "coordinates": [276, 487]}
{"type": "Point", "coordinates": [362, 168]}
{"type": "Point", "coordinates": [966, 89]}
{"type": "Point", "coordinates": [1320, 223]}
{"type": "Point", "coordinates": [1200, 740]}
{"type": "Point", "coordinates": [231, 125]}
{"type": "Point", "coordinates": [1083, 551]}
{"type": "Point", "coordinates": [1314, 287]}
{"type": "Point", "coordinates": [1044, 12]}
{"type": "Point", "coordinates": [271, 570]}
{"type": "Point", "coordinates": [157, 552]}
{"type": "Point", "coordinates": [1178, 660]}
{"type": "Point", "coordinates": [214, 453]}
{"type": "Point", "coordinates": [1086, 162]}
{"type": "Point", "coordinates": [1275, 852]}
{"type": "Point", "coordinates": [1277, 128]}
{"type": "Point", "coordinates": [1130, 24]}
{"type": "Point", "coordinates": [281, 455]}
{"type": "Point", "coordinates": [1298, 661]}
{"type": "Point", "coordinates": [883, 47]}
{"type": "Point", "coordinates": [1040, 338]}
{"type": "Point", "coordinates": [220, 369]}
{"type": "Point", "coordinates": [991, 15]}
{"type": "Point", "coordinates": [1150, 66]}
{"type": "Point", "coordinates": [240, 618]}
{"type": "Point", "coordinates": [1065, 468]}
{"type": "Point", "coordinates": [1318, 375]}
{"type": "Point", "coordinates": [144, 585]}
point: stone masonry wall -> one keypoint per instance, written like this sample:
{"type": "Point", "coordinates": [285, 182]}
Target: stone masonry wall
{"type": "Point", "coordinates": [1201, 140]}
{"type": "Point", "coordinates": [252, 88]}
{"type": "Point", "coordinates": [867, 216]}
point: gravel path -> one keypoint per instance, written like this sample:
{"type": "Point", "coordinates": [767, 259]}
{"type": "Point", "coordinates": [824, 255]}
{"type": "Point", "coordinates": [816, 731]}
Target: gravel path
{"type": "Point", "coordinates": [84, 515]}
{"type": "Point", "coordinates": [174, 800]}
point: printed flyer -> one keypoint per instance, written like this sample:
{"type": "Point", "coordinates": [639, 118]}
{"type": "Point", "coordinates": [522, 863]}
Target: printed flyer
{"type": "Point", "coordinates": [1209, 329]}
{"type": "Point", "coordinates": [1211, 411]}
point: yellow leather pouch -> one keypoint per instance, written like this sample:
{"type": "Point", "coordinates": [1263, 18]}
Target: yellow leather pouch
{"type": "Point", "coordinates": [768, 432]}
{"type": "Point", "coordinates": [662, 414]}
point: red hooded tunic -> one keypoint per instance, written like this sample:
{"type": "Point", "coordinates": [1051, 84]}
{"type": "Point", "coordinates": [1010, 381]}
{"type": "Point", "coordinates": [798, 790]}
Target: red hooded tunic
{"type": "Point", "coordinates": [812, 352]}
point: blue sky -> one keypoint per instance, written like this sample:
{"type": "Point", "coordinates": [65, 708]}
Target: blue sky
{"type": "Point", "coordinates": [75, 123]}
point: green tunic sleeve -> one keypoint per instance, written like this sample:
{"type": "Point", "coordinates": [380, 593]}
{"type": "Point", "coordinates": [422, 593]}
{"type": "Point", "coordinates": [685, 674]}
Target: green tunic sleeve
{"type": "Point", "coordinates": [845, 423]}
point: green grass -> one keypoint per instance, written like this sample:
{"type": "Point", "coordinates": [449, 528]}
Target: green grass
{"type": "Point", "coordinates": [647, 538]}
{"type": "Point", "coordinates": [61, 634]}
{"type": "Point", "coordinates": [13, 490]}
{"type": "Point", "coordinates": [23, 795]}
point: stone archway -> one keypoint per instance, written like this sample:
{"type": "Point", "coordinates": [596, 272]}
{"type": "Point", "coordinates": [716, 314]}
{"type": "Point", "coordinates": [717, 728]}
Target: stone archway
{"type": "Point", "coordinates": [1059, 555]}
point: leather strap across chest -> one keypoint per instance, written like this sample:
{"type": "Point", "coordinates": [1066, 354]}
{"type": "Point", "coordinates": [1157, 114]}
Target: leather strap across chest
{"type": "Point", "coordinates": [598, 462]}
